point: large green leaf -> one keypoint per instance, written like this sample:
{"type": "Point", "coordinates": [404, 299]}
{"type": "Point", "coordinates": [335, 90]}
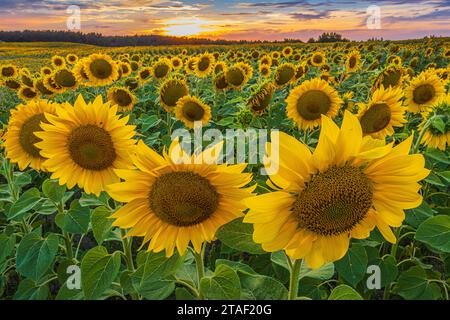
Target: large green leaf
{"type": "Point", "coordinates": [98, 271]}
{"type": "Point", "coordinates": [259, 287]}
{"type": "Point", "coordinates": [154, 277]}
{"type": "Point", "coordinates": [35, 254]}
{"type": "Point", "coordinates": [53, 190]}
{"type": "Point", "coordinates": [353, 266]}
{"type": "Point", "coordinates": [7, 244]}
{"type": "Point", "coordinates": [344, 292]}
{"type": "Point", "coordinates": [239, 236]}
{"type": "Point", "coordinates": [28, 290]}
{"type": "Point", "coordinates": [325, 272]}
{"type": "Point", "coordinates": [436, 233]}
{"type": "Point", "coordinates": [23, 206]}
{"type": "Point", "coordinates": [418, 215]}
{"type": "Point", "coordinates": [414, 285]}
{"type": "Point", "coordinates": [75, 220]}
{"type": "Point", "coordinates": [101, 223]}
{"type": "Point", "coordinates": [223, 285]}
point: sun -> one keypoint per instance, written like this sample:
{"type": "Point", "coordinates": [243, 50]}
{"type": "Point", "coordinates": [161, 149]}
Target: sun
{"type": "Point", "coordinates": [187, 27]}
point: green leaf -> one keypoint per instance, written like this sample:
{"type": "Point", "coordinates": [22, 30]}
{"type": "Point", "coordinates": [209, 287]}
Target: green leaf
{"type": "Point", "coordinates": [414, 285]}
{"type": "Point", "coordinates": [434, 180]}
{"type": "Point", "coordinates": [437, 155]}
{"type": "Point", "coordinates": [35, 254]}
{"type": "Point", "coordinates": [154, 277]}
{"type": "Point", "coordinates": [7, 244]}
{"type": "Point", "coordinates": [418, 215]}
{"type": "Point", "coordinates": [183, 294]}
{"type": "Point", "coordinates": [53, 190]}
{"type": "Point", "coordinates": [23, 206]}
{"type": "Point", "coordinates": [239, 236]}
{"type": "Point", "coordinates": [65, 293]}
{"type": "Point", "coordinates": [325, 272]}
{"type": "Point", "coordinates": [389, 270]}
{"type": "Point", "coordinates": [101, 223]}
{"type": "Point", "coordinates": [344, 292]}
{"type": "Point", "coordinates": [439, 124]}
{"type": "Point", "coordinates": [238, 266]}
{"type": "Point", "coordinates": [75, 220]}
{"type": "Point", "coordinates": [92, 200]}
{"type": "Point", "coordinates": [354, 265]}
{"type": "Point", "coordinates": [435, 232]}
{"type": "Point", "coordinates": [150, 122]}
{"type": "Point", "coordinates": [259, 287]}
{"type": "Point", "coordinates": [28, 290]}
{"type": "Point", "coordinates": [98, 271]}
{"type": "Point", "coordinates": [223, 285]}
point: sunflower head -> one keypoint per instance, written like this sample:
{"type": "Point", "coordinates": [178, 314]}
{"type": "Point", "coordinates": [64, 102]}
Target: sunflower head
{"type": "Point", "coordinates": [46, 71]}
{"type": "Point", "coordinates": [8, 71]}
{"type": "Point", "coordinates": [236, 76]}
{"type": "Point", "coordinates": [85, 144]}
{"type": "Point", "coordinates": [437, 136]}
{"type": "Point", "coordinates": [287, 52]}
{"type": "Point", "coordinates": [265, 60]}
{"type": "Point", "coordinates": [100, 69]}
{"type": "Point", "coordinates": [423, 91]}
{"type": "Point", "coordinates": [220, 67]}
{"type": "Point", "coordinates": [177, 63]}
{"type": "Point", "coordinates": [58, 62]}
{"type": "Point", "coordinates": [27, 93]}
{"type": "Point", "coordinates": [20, 139]}
{"type": "Point", "coordinates": [172, 90]}
{"type": "Point", "coordinates": [344, 189]}
{"type": "Point", "coordinates": [220, 82]}
{"type": "Point", "coordinates": [191, 110]}
{"type": "Point", "coordinates": [265, 70]}
{"type": "Point", "coordinates": [261, 98]}
{"type": "Point", "coordinates": [65, 79]}
{"type": "Point", "coordinates": [132, 83]}
{"type": "Point", "coordinates": [121, 97]}
{"type": "Point", "coordinates": [125, 69]}
{"type": "Point", "coordinates": [309, 101]}
{"type": "Point", "coordinates": [391, 76]}
{"type": "Point", "coordinates": [42, 89]}
{"type": "Point", "coordinates": [284, 75]}
{"type": "Point", "coordinates": [383, 112]}
{"type": "Point", "coordinates": [72, 58]}
{"type": "Point", "coordinates": [353, 61]}
{"type": "Point", "coordinates": [161, 69]}
{"type": "Point", "coordinates": [12, 84]}
{"type": "Point", "coordinates": [318, 59]}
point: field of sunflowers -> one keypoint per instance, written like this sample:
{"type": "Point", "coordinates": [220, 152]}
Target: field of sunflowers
{"type": "Point", "coordinates": [99, 201]}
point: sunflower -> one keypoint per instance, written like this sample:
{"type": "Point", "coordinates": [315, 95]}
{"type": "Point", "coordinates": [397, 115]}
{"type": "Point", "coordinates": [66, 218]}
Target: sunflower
{"type": "Point", "coordinates": [121, 97]}
{"type": "Point", "coordinates": [390, 76]}
{"type": "Point", "coordinates": [437, 137]}
{"type": "Point", "coordinates": [72, 58]}
{"type": "Point", "coordinates": [100, 69]}
{"type": "Point", "coordinates": [58, 62]}
{"type": "Point", "coordinates": [287, 52]}
{"type": "Point", "coordinates": [50, 84]}
{"type": "Point", "coordinates": [275, 55]}
{"type": "Point", "coordinates": [236, 76]}
{"type": "Point", "coordinates": [171, 203]}
{"type": "Point", "coordinates": [161, 69]}
{"type": "Point", "coordinates": [261, 98]}
{"type": "Point", "coordinates": [172, 90]}
{"type": "Point", "coordinates": [318, 59]}
{"type": "Point", "coordinates": [46, 71]}
{"type": "Point", "coordinates": [265, 60]}
{"type": "Point", "coordinates": [423, 91]}
{"type": "Point", "coordinates": [265, 70]}
{"type": "Point", "coordinates": [134, 66]}
{"type": "Point", "coordinates": [353, 62]}
{"type": "Point", "coordinates": [8, 71]}
{"type": "Point", "coordinates": [84, 144]}
{"type": "Point", "coordinates": [220, 82]}
{"type": "Point", "coordinates": [446, 53]}
{"type": "Point", "coordinates": [309, 101]}
{"type": "Point", "coordinates": [204, 64]}
{"type": "Point", "coordinates": [65, 79]}
{"type": "Point", "coordinates": [190, 65]}
{"type": "Point", "coordinates": [27, 93]}
{"type": "Point", "coordinates": [42, 89]}
{"type": "Point", "coordinates": [347, 187]}
{"type": "Point", "coordinates": [248, 69]}
{"type": "Point", "coordinates": [19, 141]}
{"type": "Point", "coordinates": [284, 75]}
{"type": "Point", "coordinates": [79, 73]}
{"type": "Point", "coordinates": [12, 84]}
{"type": "Point", "coordinates": [132, 83]}
{"type": "Point", "coordinates": [125, 68]}
{"type": "Point", "coordinates": [26, 78]}
{"type": "Point", "coordinates": [383, 112]}
{"type": "Point", "coordinates": [191, 109]}
{"type": "Point", "coordinates": [145, 74]}
{"type": "Point", "coordinates": [301, 71]}
{"type": "Point", "coordinates": [220, 66]}
{"type": "Point", "coordinates": [177, 63]}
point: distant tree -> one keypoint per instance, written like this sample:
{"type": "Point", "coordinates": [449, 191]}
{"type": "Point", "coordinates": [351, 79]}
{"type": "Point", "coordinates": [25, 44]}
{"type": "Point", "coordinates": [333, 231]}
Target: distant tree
{"type": "Point", "coordinates": [331, 37]}
{"type": "Point", "coordinates": [311, 40]}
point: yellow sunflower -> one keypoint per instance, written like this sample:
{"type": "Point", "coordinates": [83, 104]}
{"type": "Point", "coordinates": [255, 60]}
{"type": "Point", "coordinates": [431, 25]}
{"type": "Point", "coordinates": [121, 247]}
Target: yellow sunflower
{"type": "Point", "coordinates": [12, 84]}
{"type": "Point", "coordinates": [161, 68]}
{"type": "Point", "coordinates": [145, 75]}
{"type": "Point", "coordinates": [191, 109]}
{"type": "Point", "coordinates": [121, 97]}
{"type": "Point", "coordinates": [58, 62]}
{"type": "Point", "coordinates": [318, 59]}
{"type": "Point", "coordinates": [423, 91]}
{"type": "Point", "coordinates": [265, 70]}
{"type": "Point", "coordinates": [353, 62]}
{"type": "Point", "coordinates": [287, 52]}
{"type": "Point", "coordinates": [383, 112]}
{"type": "Point", "coordinates": [432, 135]}
{"type": "Point", "coordinates": [284, 75]}
{"type": "Point", "coordinates": [177, 63]}
{"type": "Point", "coordinates": [64, 79]}
{"type": "Point", "coordinates": [260, 100]}
{"type": "Point", "coordinates": [125, 69]}
{"type": "Point", "coordinates": [27, 94]}
{"type": "Point", "coordinates": [72, 58]}
{"type": "Point", "coordinates": [220, 66]}
{"type": "Point", "coordinates": [309, 101]}
{"type": "Point", "coordinates": [46, 71]}
{"type": "Point", "coordinates": [190, 65]}
{"type": "Point", "coordinates": [100, 69]}
{"type": "Point", "coordinates": [204, 64]}
{"type": "Point", "coordinates": [390, 76]}
{"type": "Point", "coordinates": [8, 71]}
{"type": "Point", "coordinates": [172, 90]}
{"type": "Point", "coordinates": [220, 82]}
{"type": "Point", "coordinates": [20, 139]}
{"type": "Point", "coordinates": [236, 76]}
{"type": "Point", "coordinates": [347, 187]}
{"type": "Point", "coordinates": [85, 143]}
{"type": "Point", "coordinates": [171, 203]}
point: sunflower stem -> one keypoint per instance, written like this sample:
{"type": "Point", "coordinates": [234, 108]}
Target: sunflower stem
{"type": "Point", "coordinates": [293, 280]}
{"type": "Point", "coordinates": [200, 264]}
{"type": "Point", "coordinates": [127, 243]}
{"type": "Point", "coordinates": [424, 130]}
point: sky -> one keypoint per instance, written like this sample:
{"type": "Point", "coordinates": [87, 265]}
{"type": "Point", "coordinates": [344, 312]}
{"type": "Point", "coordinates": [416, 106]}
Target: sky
{"type": "Point", "coordinates": [235, 19]}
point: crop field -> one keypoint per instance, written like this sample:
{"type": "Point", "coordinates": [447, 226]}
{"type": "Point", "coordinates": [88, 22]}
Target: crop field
{"type": "Point", "coordinates": [243, 172]}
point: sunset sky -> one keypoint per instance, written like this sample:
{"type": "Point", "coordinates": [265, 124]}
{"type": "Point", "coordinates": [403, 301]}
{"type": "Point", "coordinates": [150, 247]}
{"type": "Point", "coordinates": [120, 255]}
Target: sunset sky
{"type": "Point", "coordinates": [233, 19]}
